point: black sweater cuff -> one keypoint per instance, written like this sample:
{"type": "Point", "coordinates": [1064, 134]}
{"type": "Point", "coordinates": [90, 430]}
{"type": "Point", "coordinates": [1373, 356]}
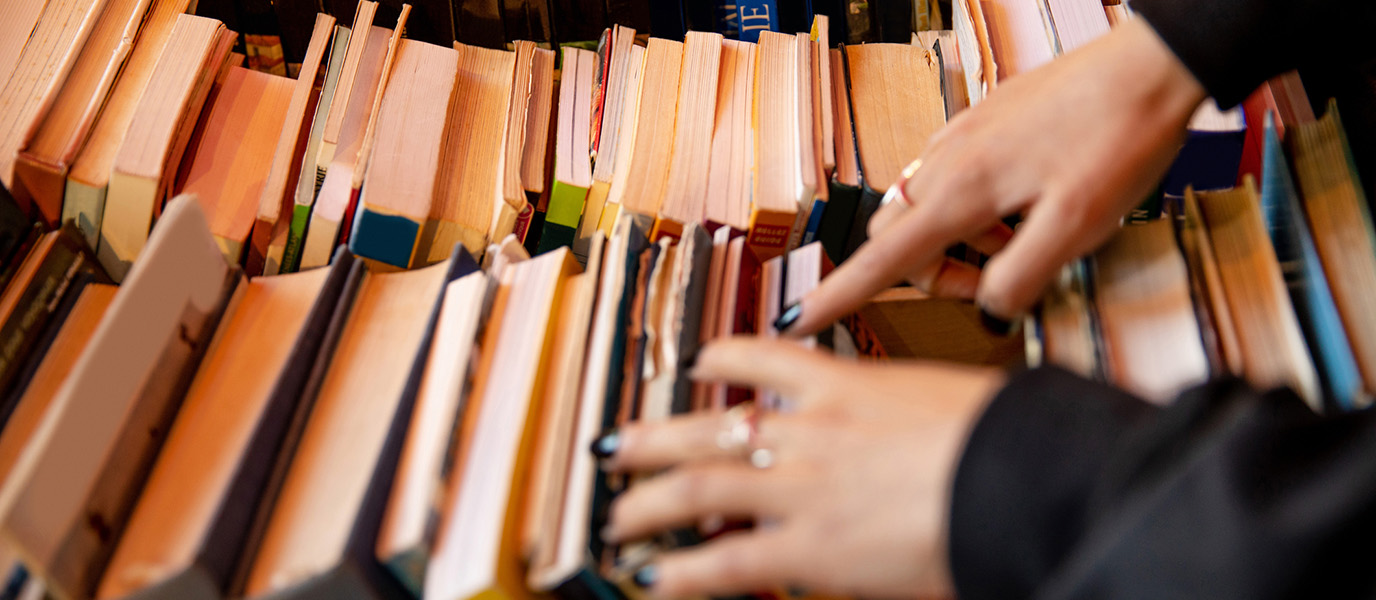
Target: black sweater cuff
{"type": "Point", "coordinates": [1232, 46]}
{"type": "Point", "coordinates": [1029, 467]}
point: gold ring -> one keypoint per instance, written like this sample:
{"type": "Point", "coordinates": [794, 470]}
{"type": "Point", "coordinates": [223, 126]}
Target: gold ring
{"type": "Point", "coordinates": [896, 192]}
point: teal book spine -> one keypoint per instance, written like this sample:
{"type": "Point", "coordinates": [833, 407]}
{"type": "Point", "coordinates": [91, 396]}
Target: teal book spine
{"type": "Point", "coordinates": [1304, 276]}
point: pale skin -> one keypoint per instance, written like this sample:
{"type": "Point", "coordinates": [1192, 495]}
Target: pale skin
{"type": "Point", "coordinates": [857, 500]}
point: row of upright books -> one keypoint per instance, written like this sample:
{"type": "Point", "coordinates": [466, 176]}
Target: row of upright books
{"type": "Point", "coordinates": [356, 432]}
{"type": "Point", "coordinates": [1270, 281]}
{"type": "Point", "coordinates": [398, 148]}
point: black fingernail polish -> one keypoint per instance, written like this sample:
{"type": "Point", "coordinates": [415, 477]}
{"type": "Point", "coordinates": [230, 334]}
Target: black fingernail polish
{"type": "Point", "coordinates": [788, 317]}
{"type": "Point", "coordinates": [646, 576]}
{"type": "Point", "coordinates": [606, 446]}
{"type": "Point", "coordinates": [993, 324]}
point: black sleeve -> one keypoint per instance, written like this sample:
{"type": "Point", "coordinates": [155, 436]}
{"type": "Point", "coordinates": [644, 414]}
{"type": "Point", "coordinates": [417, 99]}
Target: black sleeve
{"type": "Point", "coordinates": [1232, 46]}
{"type": "Point", "coordinates": [1070, 489]}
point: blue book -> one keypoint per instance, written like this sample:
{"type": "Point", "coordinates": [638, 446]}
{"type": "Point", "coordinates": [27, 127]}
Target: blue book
{"type": "Point", "coordinates": [755, 16]}
{"type": "Point", "coordinates": [1304, 275]}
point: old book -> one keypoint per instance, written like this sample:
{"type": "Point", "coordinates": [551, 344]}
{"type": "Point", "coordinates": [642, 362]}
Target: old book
{"type": "Point", "coordinates": [711, 306]}
{"type": "Point", "coordinates": [538, 138]}
{"type": "Point", "coordinates": [1065, 332]}
{"type": "Point", "coordinates": [648, 283]}
{"type": "Point", "coordinates": [945, 45]}
{"type": "Point", "coordinates": [678, 330]}
{"type": "Point", "coordinates": [571, 571]}
{"type": "Point", "coordinates": [272, 222]}
{"type": "Point", "coordinates": [356, 61]}
{"type": "Point", "coordinates": [823, 124]}
{"type": "Point", "coordinates": [506, 214]}
{"type": "Point", "coordinates": [48, 55]}
{"type": "Point", "coordinates": [572, 166]}
{"type": "Point", "coordinates": [365, 150]}
{"type": "Point", "coordinates": [897, 104]}
{"type": "Point", "coordinates": [28, 411]}
{"type": "Point", "coordinates": [781, 182]}
{"type": "Point", "coordinates": [1340, 220]}
{"type": "Point", "coordinates": [158, 134]}
{"type": "Point", "coordinates": [193, 517]}
{"type": "Point", "coordinates": [1020, 35]}
{"type": "Point", "coordinates": [976, 56]}
{"type": "Point", "coordinates": [810, 208]}
{"type": "Point", "coordinates": [685, 190]}
{"type": "Point", "coordinates": [355, 108]}
{"type": "Point", "coordinates": [33, 295]}
{"type": "Point", "coordinates": [89, 175]}
{"type": "Point", "coordinates": [729, 181]}
{"type": "Point", "coordinates": [1076, 22]}
{"type": "Point", "coordinates": [413, 508]}
{"type": "Point", "coordinates": [599, 195]}
{"type": "Point", "coordinates": [404, 172]}
{"type": "Point", "coordinates": [312, 546]}
{"type": "Point", "coordinates": [1309, 286]}
{"type": "Point", "coordinates": [553, 448]}
{"type": "Point", "coordinates": [19, 19]}
{"type": "Point", "coordinates": [1152, 343]}
{"type": "Point", "coordinates": [850, 336]}
{"type": "Point", "coordinates": [845, 183]}
{"type": "Point", "coordinates": [1282, 95]}
{"type": "Point", "coordinates": [109, 417]}
{"type": "Point", "coordinates": [651, 146]}
{"type": "Point", "coordinates": [476, 554]}
{"type": "Point", "coordinates": [309, 179]}
{"type": "Point", "coordinates": [1211, 299]}
{"type": "Point", "coordinates": [40, 172]}
{"type": "Point", "coordinates": [737, 312]}
{"type": "Point", "coordinates": [472, 190]}
{"type": "Point", "coordinates": [232, 159]}
{"type": "Point", "coordinates": [618, 82]}
{"type": "Point", "coordinates": [1273, 349]}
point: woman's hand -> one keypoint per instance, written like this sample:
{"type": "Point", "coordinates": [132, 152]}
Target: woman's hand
{"type": "Point", "coordinates": [1073, 146]}
{"type": "Point", "coordinates": [854, 500]}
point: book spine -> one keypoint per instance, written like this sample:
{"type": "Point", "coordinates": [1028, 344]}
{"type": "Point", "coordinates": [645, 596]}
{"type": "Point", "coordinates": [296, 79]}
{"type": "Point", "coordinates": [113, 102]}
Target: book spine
{"type": "Point", "coordinates": [40, 185]}
{"type": "Point", "coordinates": [756, 16]}
{"type": "Point", "coordinates": [865, 208]}
{"type": "Point", "coordinates": [814, 221]}
{"type": "Point", "coordinates": [386, 238]}
{"type": "Point", "coordinates": [39, 300]}
{"type": "Point", "coordinates": [770, 232]}
{"type": "Point", "coordinates": [834, 228]}
{"type": "Point", "coordinates": [296, 239]}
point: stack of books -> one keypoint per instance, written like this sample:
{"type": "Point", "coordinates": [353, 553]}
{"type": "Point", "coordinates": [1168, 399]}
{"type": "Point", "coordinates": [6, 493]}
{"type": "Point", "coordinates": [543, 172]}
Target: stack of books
{"type": "Point", "coordinates": [392, 299]}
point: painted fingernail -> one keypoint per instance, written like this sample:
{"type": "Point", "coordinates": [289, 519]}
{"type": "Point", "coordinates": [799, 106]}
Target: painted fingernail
{"type": "Point", "coordinates": [606, 446]}
{"type": "Point", "coordinates": [646, 576]}
{"type": "Point", "coordinates": [995, 325]}
{"type": "Point", "coordinates": [788, 317]}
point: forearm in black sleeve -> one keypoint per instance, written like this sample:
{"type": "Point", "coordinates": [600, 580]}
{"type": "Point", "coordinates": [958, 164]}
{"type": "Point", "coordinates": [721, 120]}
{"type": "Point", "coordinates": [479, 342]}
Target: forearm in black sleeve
{"type": "Point", "coordinates": [1229, 493]}
{"type": "Point", "coordinates": [1232, 46]}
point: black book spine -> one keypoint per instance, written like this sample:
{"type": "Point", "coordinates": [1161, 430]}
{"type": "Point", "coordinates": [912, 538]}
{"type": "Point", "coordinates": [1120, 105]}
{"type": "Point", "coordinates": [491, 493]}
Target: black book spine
{"type": "Point", "coordinates": [631, 13]}
{"type": "Point", "coordinates": [232, 524]}
{"type": "Point", "coordinates": [44, 344]}
{"type": "Point", "coordinates": [368, 521]}
{"type": "Point", "coordinates": [667, 20]}
{"type": "Point", "coordinates": [578, 20]}
{"type": "Point", "coordinates": [479, 23]}
{"type": "Point", "coordinates": [895, 20]}
{"type": "Point", "coordinates": [319, 366]}
{"type": "Point", "coordinates": [14, 227]}
{"type": "Point", "coordinates": [39, 301]}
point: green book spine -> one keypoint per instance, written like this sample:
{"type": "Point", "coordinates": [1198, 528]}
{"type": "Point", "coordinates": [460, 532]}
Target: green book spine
{"type": "Point", "coordinates": [296, 239]}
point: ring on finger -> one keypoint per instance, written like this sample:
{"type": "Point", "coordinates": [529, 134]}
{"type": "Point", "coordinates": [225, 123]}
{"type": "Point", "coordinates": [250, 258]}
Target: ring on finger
{"type": "Point", "coordinates": [896, 192]}
{"type": "Point", "coordinates": [740, 435]}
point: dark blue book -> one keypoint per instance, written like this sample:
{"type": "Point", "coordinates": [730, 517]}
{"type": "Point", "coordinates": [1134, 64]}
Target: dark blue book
{"type": "Point", "coordinates": [1304, 276]}
{"type": "Point", "coordinates": [756, 16]}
